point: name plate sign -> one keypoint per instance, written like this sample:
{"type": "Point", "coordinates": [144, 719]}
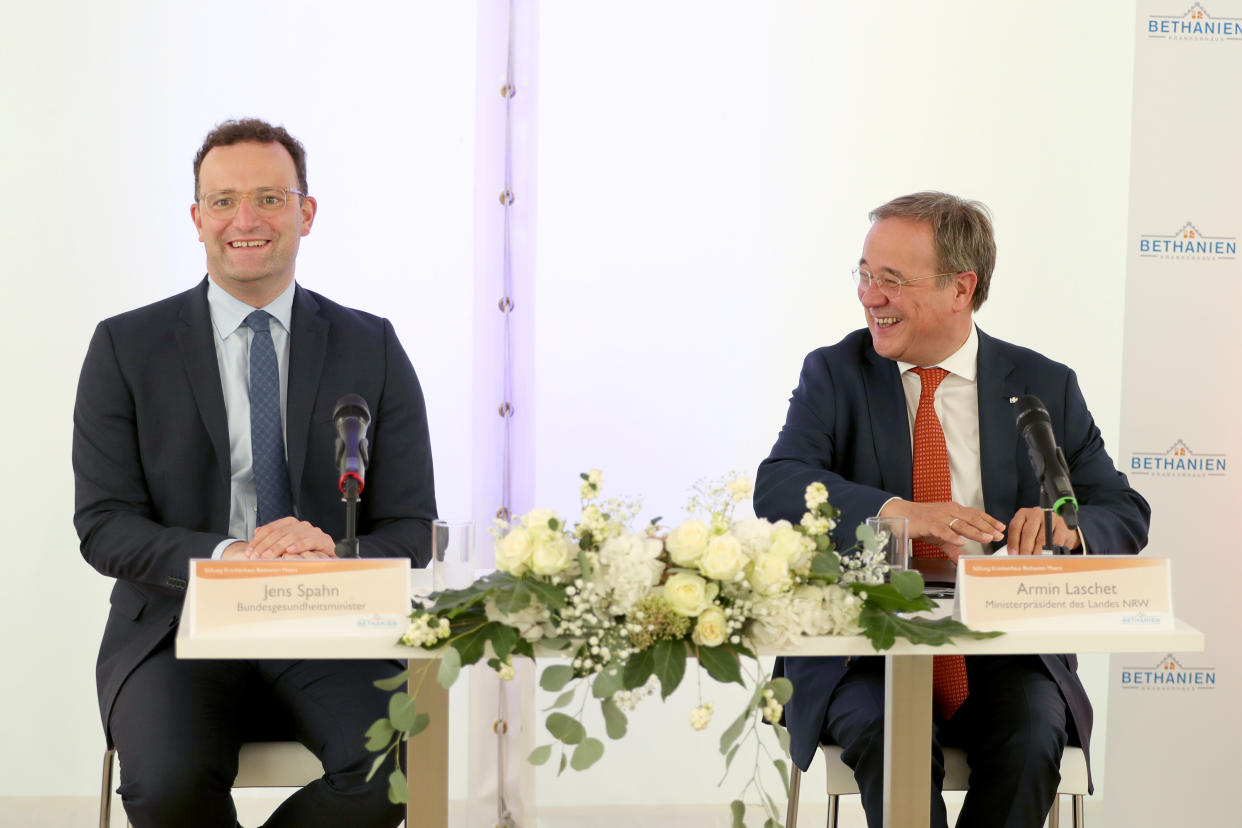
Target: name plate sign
{"type": "Point", "coordinates": [1061, 592]}
{"type": "Point", "coordinates": [361, 598]}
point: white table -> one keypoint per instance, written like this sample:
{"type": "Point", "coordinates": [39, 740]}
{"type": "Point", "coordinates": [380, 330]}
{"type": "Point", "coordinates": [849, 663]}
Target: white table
{"type": "Point", "coordinates": [908, 710]}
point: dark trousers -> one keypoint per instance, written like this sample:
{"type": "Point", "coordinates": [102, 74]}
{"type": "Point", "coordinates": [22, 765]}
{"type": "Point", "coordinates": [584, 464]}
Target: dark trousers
{"type": "Point", "coordinates": [178, 726]}
{"type": "Point", "coordinates": [1012, 727]}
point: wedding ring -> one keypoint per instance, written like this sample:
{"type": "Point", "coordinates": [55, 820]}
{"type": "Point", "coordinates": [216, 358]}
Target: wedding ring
{"type": "Point", "coordinates": [955, 520]}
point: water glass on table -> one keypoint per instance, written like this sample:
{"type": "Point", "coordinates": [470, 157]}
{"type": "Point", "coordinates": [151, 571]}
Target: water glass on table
{"type": "Point", "coordinates": [892, 536]}
{"type": "Point", "coordinates": [452, 554]}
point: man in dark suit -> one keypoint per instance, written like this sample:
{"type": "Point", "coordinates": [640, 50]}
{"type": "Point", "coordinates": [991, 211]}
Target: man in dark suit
{"type": "Point", "coordinates": [167, 469]}
{"type": "Point", "coordinates": [854, 425]}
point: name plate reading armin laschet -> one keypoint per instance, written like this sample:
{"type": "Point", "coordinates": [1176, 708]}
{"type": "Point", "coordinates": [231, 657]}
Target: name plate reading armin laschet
{"type": "Point", "coordinates": [339, 598]}
{"type": "Point", "coordinates": [1064, 592]}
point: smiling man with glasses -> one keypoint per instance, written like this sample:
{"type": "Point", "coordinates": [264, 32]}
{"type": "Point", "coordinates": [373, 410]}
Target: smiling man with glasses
{"type": "Point", "coordinates": [203, 428]}
{"type": "Point", "coordinates": [913, 417]}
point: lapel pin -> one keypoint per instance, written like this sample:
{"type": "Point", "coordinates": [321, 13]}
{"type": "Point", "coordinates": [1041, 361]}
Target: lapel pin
{"type": "Point", "coordinates": [1013, 400]}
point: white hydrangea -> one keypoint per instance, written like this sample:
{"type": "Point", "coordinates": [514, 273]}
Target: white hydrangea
{"type": "Point", "coordinates": [629, 567]}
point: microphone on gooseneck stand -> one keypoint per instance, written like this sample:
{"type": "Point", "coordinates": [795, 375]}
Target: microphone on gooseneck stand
{"type": "Point", "coordinates": [1048, 460]}
{"type": "Point", "coordinates": [351, 417]}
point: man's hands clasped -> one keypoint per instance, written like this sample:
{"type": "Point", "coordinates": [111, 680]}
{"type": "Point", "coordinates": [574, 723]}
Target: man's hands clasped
{"type": "Point", "coordinates": [287, 538]}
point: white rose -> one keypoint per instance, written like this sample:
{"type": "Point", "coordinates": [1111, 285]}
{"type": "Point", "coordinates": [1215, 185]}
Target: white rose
{"type": "Point", "coordinates": [711, 629]}
{"type": "Point", "coordinates": [723, 558]}
{"type": "Point", "coordinates": [687, 542]}
{"type": "Point", "coordinates": [688, 594]}
{"type": "Point", "coordinates": [537, 519]}
{"type": "Point", "coordinates": [552, 554]}
{"type": "Point", "coordinates": [797, 549]}
{"type": "Point", "coordinates": [770, 574]}
{"type": "Point", "coordinates": [513, 552]}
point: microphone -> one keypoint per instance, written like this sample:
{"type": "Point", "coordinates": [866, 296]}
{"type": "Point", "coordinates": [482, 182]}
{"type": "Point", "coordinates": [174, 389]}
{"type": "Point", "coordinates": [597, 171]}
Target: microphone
{"type": "Point", "coordinates": [351, 418]}
{"type": "Point", "coordinates": [1047, 458]}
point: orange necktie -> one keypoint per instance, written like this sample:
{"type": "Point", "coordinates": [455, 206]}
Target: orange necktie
{"type": "Point", "coordinates": [932, 485]}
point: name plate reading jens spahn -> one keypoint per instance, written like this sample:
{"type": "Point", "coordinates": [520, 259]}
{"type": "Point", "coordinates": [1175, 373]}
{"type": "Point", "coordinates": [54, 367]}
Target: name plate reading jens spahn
{"type": "Point", "coordinates": [346, 598]}
{"type": "Point", "coordinates": [1063, 592]}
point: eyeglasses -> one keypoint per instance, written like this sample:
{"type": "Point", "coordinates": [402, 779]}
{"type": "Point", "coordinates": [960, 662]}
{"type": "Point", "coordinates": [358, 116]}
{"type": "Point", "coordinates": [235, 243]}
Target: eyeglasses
{"type": "Point", "coordinates": [223, 204]}
{"type": "Point", "coordinates": [888, 284]}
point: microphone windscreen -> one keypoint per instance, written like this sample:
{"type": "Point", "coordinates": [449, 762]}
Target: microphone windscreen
{"type": "Point", "coordinates": [352, 405]}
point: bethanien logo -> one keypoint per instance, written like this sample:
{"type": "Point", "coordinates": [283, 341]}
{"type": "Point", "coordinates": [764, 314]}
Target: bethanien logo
{"type": "Point", "coordinates": [1188, 243]}
{"type": "Point", "coordinates": [1194, 24]}
{"type": "Point", "coordinates": [1177, 461]}
{"type": "Point", "coordinates": [1168, 675]}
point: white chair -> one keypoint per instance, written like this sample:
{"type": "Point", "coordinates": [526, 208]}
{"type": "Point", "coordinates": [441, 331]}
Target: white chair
{"type": "Point", "coordinates": [259, 765]}
{"type": "Point", "coordinates": [841, 782]}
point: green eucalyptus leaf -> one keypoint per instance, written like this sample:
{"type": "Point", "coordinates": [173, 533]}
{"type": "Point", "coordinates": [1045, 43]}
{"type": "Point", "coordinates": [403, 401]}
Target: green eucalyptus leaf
{"type": "Point", "coordinates": [587, 753]}
{"type": "Point", "coordinates": [564, 762]}
{"type": "Point", "coordinates": [551, 642]}
{"type": "Point", "coordinates": [783, 770]}
{"type": "Point", "coordinates": [669, 657]}
{"type": "Point", "coordinates": [866, 536]}
{"type": "Point", "coordinates": [401, 711]}
{"type": "Point", "coordinates": [398, 792]}
{"type": "Point", "coordinates": [420, 724]}
{"type": "Point", "coordinates": [540, 755]}
{"type": "Point", "coordinates": [389, 684]}
{"type": "Point", "coordinates": [721, 663]}
{"type": "Point", "coordinates": [729, 756]}
{"type": "Point", "coordinates": [738, 809]}
{"type": "Point", "coordinates": [555, 677]}
{"type": "Point", "coordinates": [782, 689]}
{"type": "Point", "coordinates": [782, 736]}
{"type": "Point", "coordinates": [826, 566]}
{"type": "Point", "coordinates": [379, 735]}
{"type": "Point", "coordinates": [565, 729]}
{"type": "Point", "coordinates": [450, 667]}
{"type": "Point", "coordinates": [561, 700]}
{"type": "Point", "coordinates": [909, 583]}
{"type": "Point", "coordinates": [734, 730]}
{"type": "Point", "coordinates": [615, 722]}
{"type": "Point", "coordinates": [375, 765]}
{"type": "Point", "coordinates": [607, 683]}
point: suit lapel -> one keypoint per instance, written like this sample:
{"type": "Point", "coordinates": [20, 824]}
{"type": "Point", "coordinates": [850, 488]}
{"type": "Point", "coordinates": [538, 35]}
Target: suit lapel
{"type": "Point", "coordinates": [890, 423]}
{"type": "Point", "coordinates": [196, 343]}
{"type": "Point", "coordinates": [998, 434]}
{"type": "Point", "coordinates": [307, 348]}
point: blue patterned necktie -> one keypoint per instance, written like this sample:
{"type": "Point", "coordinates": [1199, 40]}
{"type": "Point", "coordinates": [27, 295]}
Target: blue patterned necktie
{"type": "Point", "coordinates": [267, 444]}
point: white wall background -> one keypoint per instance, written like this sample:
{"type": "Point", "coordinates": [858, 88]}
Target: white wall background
{"type": "Point", "coordinates": [704, 173]}
{"type": "Point", "coordinates": [104, 106]}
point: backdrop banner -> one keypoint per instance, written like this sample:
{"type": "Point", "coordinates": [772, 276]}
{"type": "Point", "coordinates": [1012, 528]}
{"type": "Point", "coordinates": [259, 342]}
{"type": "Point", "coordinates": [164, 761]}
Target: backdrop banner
{"type": "Point", "coordinates": [1172, 722]}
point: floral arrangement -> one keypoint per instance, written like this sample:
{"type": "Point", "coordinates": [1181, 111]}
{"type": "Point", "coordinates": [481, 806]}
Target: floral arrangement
{"type": "Point", "coordinates": [628, 610]}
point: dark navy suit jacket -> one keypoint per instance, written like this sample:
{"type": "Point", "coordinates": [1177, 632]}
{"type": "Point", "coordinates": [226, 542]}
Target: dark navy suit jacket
{"type": "Point", "coordinates": [151, 454]}
{"type": "Point", "coordinates": [848, 427]}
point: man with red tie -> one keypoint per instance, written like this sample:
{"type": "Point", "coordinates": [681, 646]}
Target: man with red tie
{"type": "Point", "coordinates": [914, 417]}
